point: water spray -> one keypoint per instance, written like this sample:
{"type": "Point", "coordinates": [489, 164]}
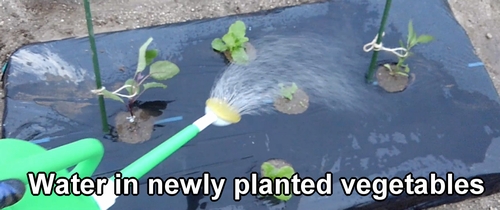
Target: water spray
{"type": "Point", "coordinates": [317, 65]}
{"type": "Point", "coordinates": [322, 70]}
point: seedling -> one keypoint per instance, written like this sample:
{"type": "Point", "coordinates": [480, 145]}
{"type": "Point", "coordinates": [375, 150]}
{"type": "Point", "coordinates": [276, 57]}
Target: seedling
{"type": "Point", "coordinates": [412, 40]}
{"type": "Point", "coordinates": [279, 171]}
{"type": "Point", "coordinates": [135, 86]}
{"type": "Point", "coordinates": [233, 42]}
{"type": "Point", "coordinates": [293, 100]}
{"type": "Point", "coordinates": [287, 92]}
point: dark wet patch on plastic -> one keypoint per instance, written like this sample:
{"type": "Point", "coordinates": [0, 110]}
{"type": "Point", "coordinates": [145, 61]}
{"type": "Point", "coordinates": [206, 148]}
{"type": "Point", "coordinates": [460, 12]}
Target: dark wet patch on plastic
{"type": "Point", "coordinates": [447, 120]}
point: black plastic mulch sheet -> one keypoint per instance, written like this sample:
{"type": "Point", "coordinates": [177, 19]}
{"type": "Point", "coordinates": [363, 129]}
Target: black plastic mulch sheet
{"type": "Point", "coordinates": [447, 121]}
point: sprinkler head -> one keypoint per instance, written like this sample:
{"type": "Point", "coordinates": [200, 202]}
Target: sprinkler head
{"type": "Point", "coordinates": [226, 115]}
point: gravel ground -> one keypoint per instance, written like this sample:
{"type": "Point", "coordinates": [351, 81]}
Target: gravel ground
{"type": "Point", "coordinates": [28, 21]}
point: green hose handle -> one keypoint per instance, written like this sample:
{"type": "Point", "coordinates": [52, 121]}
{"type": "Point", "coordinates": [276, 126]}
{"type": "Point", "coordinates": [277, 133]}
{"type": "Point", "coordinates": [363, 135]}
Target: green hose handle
{"type": "Point", "coordinates": [146, 163]}
{"type": "Point", "coordinates": [150, 160]}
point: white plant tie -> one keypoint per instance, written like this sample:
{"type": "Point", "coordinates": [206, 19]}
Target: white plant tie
{"type": "Point", "coordinates": [99, 92]}
{"type": "Point", "coordinates": [378, 47]}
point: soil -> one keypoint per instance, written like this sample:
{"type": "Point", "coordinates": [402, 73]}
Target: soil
{"type": "Point", "coordinates": [28, 21]}
{"type": "Point", "coordinates": [136, 132]}
{"type": "Point", "coordinates": [298, 104]}
{"type": "Point", "coordinates": [249, 49]}
{"type": "Point", "coordinates": [391, 83]}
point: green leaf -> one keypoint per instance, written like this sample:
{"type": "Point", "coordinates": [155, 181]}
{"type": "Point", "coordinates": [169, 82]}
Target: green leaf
{"type": "Point", "coordinates": [163, 70]}
{"type": "Point", "coordinates": [133, 83]}
{"type": "Point", "coordinates": [401, 73]}
{"type": "Point", "coordinates": [407, 68]}
{"type": "Point", "coordinates": [150, 56]}
{"type": "Point", "coordinates": [239, 55]}
{"type": "Point", "coordinates": [154, 85]}
{"type": "Point", "coordinates": [142, 63]}
{"type": "Point", "coordinates": [110, 95]}
{"type": "Point", "coordinates": [229, 40]}
{"type": "Point", "coordinates": [241, 41]}
{"type": "Point", "coordinates": [218, 44]}
{"type": "Point", "coordinates": [283, 197]}
{"type": "Point", "coordinates": [238, 28]}
{"type": "Point", "coordinates": [288, 95]}
{"type": "Point", "coordinates": [401, 44]}
{"type": "Point", "coordinates": [293, 88]}
{"type": "Point", "coordinates": [287, 92]}
{"type": "Point", "coordinates": [411, 34]}
{"type": "Point", "coordinates": [424, 39]}
{"type": "Point", "coordinates": [268, 170]}
{"type": "Point", "coordinates": [388, 66]}
{"type": "Point", "coordinates": [285, 171]}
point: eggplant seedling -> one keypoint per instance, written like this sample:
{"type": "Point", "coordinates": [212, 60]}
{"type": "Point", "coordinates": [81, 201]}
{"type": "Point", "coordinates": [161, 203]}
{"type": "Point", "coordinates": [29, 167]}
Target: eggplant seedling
{"type": "Point", "coordinates": [136, 86]}
{"type": "Point", "coordinates": [412, 40]}
{"type": "Point", "coordinates": [233, 43]}
{"type": "Point", "coordinates": [395, 77]}
{"type": "Point", "coordinates": [277, 168]}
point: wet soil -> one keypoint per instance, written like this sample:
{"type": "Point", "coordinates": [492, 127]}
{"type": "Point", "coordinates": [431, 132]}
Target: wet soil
{"type": "Point", "coordinates": [391, 83]}
{"type": "Point", "coordinates": [134, 132]}
{"type": "Point", "coordinates": [298, 104]}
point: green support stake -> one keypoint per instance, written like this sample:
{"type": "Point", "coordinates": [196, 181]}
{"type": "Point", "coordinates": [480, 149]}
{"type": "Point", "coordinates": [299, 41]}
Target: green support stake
{"type": "Point", "coordinates": [373, 63]}
{"type": "Point", "coordinates": [95, 61]}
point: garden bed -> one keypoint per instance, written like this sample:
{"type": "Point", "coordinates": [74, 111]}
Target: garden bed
{"type": "Point", "coordinates": [444, 121]}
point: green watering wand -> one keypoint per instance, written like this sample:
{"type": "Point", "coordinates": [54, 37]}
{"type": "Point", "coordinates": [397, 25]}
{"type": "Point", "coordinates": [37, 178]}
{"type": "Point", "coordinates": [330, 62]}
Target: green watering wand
{"type": "Point", "coordinates": [217, 112]}
{"type": "Point", "coordinates": [19, 157]}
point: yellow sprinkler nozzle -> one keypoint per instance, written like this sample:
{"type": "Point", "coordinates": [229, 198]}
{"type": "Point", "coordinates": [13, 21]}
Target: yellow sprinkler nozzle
{"type": "Point", "coordinates": [223, 110]}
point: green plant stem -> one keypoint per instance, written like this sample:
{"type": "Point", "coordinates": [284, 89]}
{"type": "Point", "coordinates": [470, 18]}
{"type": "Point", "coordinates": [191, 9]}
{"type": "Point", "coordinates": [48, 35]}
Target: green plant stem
{"type": "Point", "coordinates": [373, 63]}
{"type": "Point", "coordinates": [95, 61]}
